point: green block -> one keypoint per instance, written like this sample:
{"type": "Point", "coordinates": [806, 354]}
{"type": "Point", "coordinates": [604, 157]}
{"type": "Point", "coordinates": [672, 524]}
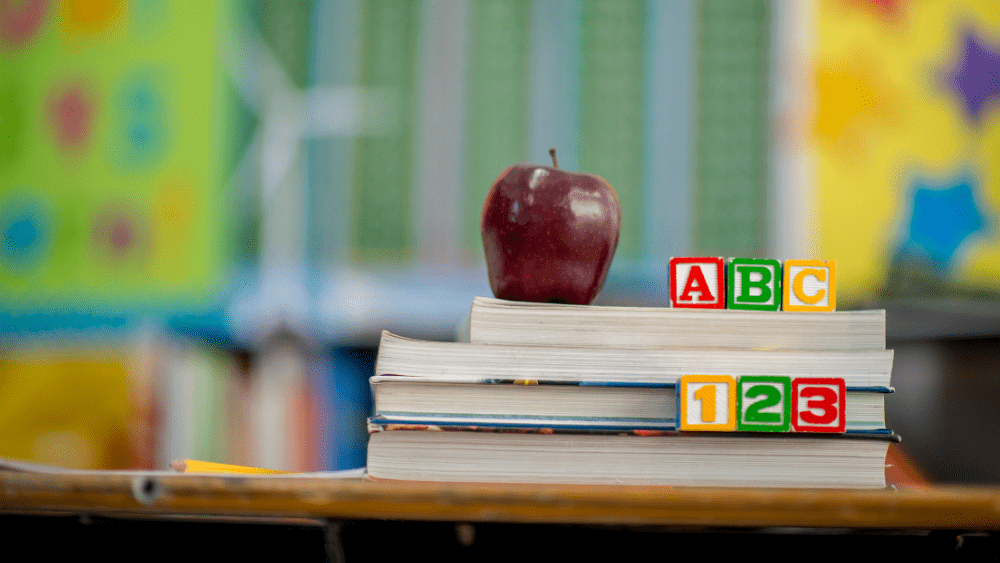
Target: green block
{"type": "Point", "coordinates": [754, 284]}
{"type": "Point", "coordinates": [764, 403]}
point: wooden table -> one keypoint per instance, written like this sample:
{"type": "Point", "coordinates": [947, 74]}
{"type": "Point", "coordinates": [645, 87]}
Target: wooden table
{"type": "Point", "coordinates": [944, 516]}
{"type": "Point", "coordinates": [959, 508]}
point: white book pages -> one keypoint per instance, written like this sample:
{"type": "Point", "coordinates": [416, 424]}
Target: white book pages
{"type": "Point", "coordinates": [495, 321]}
{"type": "Point", "coordinates": [455, 360]}
{"type": "Point", "coordinates": [683, 460]}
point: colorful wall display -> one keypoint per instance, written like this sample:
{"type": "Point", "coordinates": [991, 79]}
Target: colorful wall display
{"type": "Point", "coordinates": [110, 176]}
{"type": "Point", "coordinates": [906, 133]}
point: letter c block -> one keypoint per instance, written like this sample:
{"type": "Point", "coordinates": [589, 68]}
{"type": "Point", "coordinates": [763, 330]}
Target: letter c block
{"type": "Point", "coordinates": [810, 285]}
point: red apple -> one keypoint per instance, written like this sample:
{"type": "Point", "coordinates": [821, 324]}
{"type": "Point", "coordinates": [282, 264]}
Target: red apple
{"type": "Point", "coordinates": [549, 235]}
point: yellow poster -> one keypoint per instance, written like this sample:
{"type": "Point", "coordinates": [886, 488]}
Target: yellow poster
{"type": "Point", "coordinates": [906, 144]}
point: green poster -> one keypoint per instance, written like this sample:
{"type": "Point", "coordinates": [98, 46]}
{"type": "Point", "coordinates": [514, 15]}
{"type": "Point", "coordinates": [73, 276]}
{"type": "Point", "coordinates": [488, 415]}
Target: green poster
{"type": "Point", "coordinates": [109, 159]}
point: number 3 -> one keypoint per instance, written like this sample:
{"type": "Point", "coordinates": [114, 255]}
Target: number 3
{"type": "Point", "coordinates": [818, 404]}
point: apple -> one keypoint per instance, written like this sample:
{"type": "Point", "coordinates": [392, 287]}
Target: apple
{"type": "Point", "coordinates": [549, 235]}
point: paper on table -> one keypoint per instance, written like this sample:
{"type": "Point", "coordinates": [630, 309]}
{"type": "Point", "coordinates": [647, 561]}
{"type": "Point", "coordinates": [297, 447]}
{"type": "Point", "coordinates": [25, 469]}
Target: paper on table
{"type": "Point", "coordinates": [20, 466]}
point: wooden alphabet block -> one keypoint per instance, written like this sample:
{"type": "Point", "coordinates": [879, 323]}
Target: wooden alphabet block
{"type": "Point", "coordinates": [754, 284]}
{"type": "Point", "coordinates": [818, 404]}
{"type": "Point", "coordinates": [764, 403]}
{"type": "Point", "coordinates": [810, 285]}
{"type": "Point", "coordinates": [698, 283]}
{"type": "Point", "coordinates": [707, 403]}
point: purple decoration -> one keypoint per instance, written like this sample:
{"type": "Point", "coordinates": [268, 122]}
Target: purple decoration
{"type": "Point", "coordinates": [976, 76]}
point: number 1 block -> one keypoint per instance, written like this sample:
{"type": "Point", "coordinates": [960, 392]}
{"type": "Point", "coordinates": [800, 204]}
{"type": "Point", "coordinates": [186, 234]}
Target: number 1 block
{"type": "Point", "coordinates": [707, 403]}
{"type": "Point", "coordinates": [818, 404]}
{"type": "Point", "coordinates": [764, 403]}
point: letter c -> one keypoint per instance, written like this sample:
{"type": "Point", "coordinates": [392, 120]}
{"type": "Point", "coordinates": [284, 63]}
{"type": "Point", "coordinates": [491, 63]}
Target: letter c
{"type": "Point", "coordinates": [818, 273]}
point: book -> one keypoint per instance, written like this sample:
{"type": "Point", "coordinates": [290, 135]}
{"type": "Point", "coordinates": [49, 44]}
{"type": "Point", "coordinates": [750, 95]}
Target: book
{"type": "Point", "coordinates": [461, 360]}
{"type": "Point", "coordinates": [459, 383]}
{"type": "Point", "coordinates": [545, 455]}
{"type": "Point", "coordinates": [496, 321]}
{"type": "Point", "coordinates": [505, 403]}
{"type": "Point", "coordinates": [542, 393]}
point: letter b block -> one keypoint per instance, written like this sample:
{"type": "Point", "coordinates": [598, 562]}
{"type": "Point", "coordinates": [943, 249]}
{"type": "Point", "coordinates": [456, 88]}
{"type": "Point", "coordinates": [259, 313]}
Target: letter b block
{"type": "Point", "coordinates": [754, 284]}
{"type": "Point", "coordinates": [810, 285]}
{"type": "Point", "coordinates": [698, 283]}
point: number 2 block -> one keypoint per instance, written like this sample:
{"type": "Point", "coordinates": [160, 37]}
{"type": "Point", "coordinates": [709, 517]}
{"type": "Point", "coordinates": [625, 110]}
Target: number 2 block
{"type": "Point", "coordinates": [764, 403]}
{"type": "Point", "coordinates": [818, 404]}
{"type": "Point", "coordinates": [707, 403]}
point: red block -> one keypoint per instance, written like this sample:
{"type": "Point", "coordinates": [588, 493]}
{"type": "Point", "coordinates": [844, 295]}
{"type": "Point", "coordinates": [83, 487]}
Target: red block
{"type": "Point", "coordinates": [818, 404]}
{"type": "Point", "coordinates": [698, 283]}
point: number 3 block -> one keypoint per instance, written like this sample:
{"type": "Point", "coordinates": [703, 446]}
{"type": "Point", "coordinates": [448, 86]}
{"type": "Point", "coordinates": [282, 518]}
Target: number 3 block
{"type": "Point", "coordinates": [764, 403]}
{"type": "Point", "coordinates": [707, 402]}
{"type": "Point", "coordinates": [818, 404]}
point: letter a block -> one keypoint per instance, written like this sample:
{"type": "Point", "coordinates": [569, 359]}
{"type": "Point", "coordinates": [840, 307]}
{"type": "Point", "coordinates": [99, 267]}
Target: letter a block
{"type": "Point", "coordinates": [698, 283]}
{"type": "Point", "coordinates": [754, 284]}
{"type": "Point", "coordinates": [707, 403]}
{"type": "Point", "coordinates": [810, 285]}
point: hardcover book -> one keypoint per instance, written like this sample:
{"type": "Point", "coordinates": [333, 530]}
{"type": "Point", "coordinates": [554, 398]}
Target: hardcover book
{"type": "Point", "coordinates": [547, 455]}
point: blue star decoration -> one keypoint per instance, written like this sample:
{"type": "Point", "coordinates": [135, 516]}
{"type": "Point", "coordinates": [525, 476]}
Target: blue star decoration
{"type": "Point", "coordinates": [24, 233]}
{"type": "Point", "coordinates": [976, 76]}
{"type": "Point", "coordinates": [942, 217]}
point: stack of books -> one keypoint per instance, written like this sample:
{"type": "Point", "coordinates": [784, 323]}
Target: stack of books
{"type": "Point", "coordinates": [551, 393]}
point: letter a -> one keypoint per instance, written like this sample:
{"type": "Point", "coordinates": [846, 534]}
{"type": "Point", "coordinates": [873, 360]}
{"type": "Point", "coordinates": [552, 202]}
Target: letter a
{"type": "Point", "coordinates": [696, 282]}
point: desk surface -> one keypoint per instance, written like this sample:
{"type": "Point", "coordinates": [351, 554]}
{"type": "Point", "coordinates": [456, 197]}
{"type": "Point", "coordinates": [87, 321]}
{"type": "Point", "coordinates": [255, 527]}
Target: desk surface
{"type": "Point", "coordinates": [929, 508]}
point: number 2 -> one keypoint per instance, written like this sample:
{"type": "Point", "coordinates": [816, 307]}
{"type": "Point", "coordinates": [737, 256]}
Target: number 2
{"type": "Point", "coordinates": [771, 398]}
{"type": "Point", "coordinates": [763, 403]}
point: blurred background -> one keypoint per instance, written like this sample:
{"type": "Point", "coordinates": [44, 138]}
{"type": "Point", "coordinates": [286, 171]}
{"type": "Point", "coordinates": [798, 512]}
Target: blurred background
{"type": "Point", "coordinates": [210, 210]}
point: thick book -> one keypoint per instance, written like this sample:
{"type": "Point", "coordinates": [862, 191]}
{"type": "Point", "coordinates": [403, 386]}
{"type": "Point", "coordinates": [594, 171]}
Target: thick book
{"type": "Point", "coordinates": [540, 455]}
{"type": "Point", "coordinates": [599, 405]}
{"type": "Point", "coordinates": [496, 321]}
{"type": "Point", "coordinates": [460, 360]}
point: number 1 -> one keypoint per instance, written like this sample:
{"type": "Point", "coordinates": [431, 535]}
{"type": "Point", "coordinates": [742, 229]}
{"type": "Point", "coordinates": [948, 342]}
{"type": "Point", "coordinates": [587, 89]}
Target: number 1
{"type": "Point", "coordinates": [707, 403]}
{"type": "Point", "coordinates": [706, 394]}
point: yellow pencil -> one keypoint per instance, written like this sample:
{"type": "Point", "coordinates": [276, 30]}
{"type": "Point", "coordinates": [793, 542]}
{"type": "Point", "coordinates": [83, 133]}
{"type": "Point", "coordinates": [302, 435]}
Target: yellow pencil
{"type": "Point", "coordinates": [195, 466]}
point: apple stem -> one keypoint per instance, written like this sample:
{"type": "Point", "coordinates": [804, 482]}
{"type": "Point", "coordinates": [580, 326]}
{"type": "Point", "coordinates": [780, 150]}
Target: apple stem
{"type": "Point", "coordinates": [552, 153]}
